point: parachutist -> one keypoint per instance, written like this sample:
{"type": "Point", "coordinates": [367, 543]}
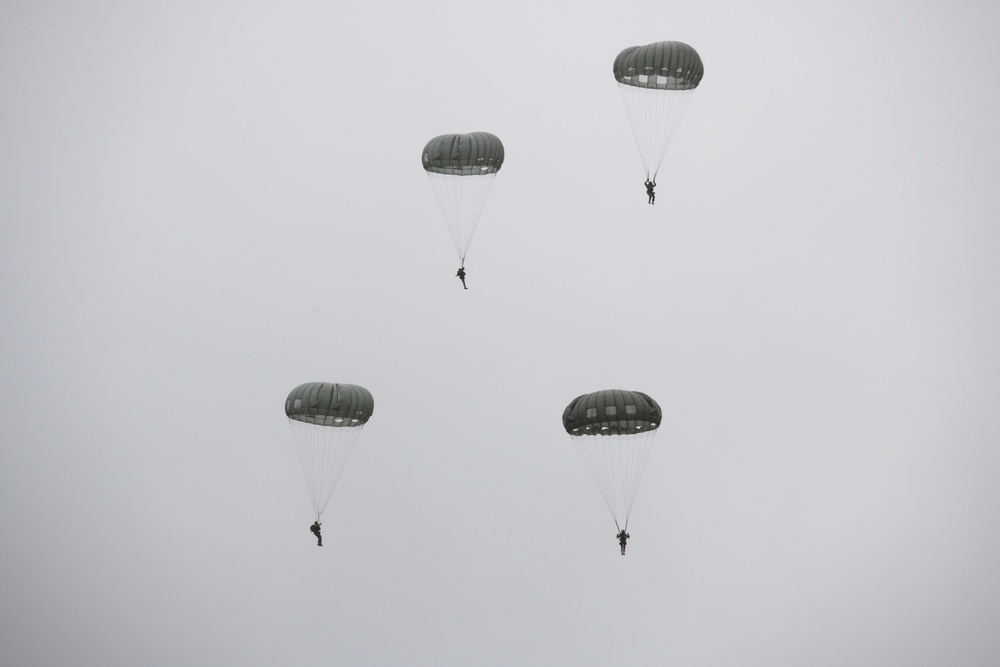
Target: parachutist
{"type": "Point", "coordinates": [622, 538]}
{"type": "Point", "coordinates": [461, 275]}
{"type": "Point", "coordinates": [605, 426]}
{"type": "Point", "coordinates": [319, 538]}
{"type": "Point", "coordinates": [655, 104]}
{"type": "Point", "coordinates": [649, 191]}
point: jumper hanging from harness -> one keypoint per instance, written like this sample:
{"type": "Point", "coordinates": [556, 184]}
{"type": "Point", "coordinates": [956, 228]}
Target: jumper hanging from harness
{"type": "Point", "coordinates": [319, 538]}
{"type": "Point", "coordinates": [649, 190]}
{"type": "Point", "coordinates": [461, 275]}
{"type": "Point", "coordinates": [622, 538]}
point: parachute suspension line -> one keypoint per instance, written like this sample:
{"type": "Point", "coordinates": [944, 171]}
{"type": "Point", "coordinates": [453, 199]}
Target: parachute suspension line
{"type": "Point", "coordinates": [478, 191]}
{"type": "Point", "coordinates": [674, 110]}
{"type": "Point", "coordinates": [639, 117]}
{"type": "Point", "coordinates": [599, 464]}
{"type": "Point", "coordinates": [616, 464]}
{"type": "Point", "coordinates": [635, 454]}
{"type": "Point", "coordinates": [323, 452]}
{"type": "Point", "coordinates": [654, 116]}
{"type": "Point", "coordinates": [308, 452]}
{"type": "Point", "coordinates": [462, 199]}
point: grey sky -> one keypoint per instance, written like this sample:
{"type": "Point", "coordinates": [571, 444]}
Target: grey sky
{"type": "Point", "coordinates": [207, 204]}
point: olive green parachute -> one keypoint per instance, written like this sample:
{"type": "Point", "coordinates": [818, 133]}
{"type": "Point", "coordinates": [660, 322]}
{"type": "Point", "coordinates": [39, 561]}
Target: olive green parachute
{"type": "Point", "coordinates": [326, 420]}
{"type": "Point", "coordinates": [613, 431]}
{"type": "Point", "coordinates": [471, 154]}
{"type": "Point", "coordinates": [656, 82]}
{"type": "Point", "coordinates": [326, 404]}
{"type": "Point", "coordinates": [461, 168]}
{"type": "Point", "coordinates": [611, 412]}
{"type": "Point", "coordinates": [661, 66]}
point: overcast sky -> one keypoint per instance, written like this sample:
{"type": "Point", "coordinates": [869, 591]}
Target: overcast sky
{"type": "Point", "coordinates": [205, 204]}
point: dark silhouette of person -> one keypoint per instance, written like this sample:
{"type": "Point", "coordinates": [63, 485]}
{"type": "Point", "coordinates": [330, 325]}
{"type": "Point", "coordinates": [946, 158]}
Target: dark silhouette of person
{"type": "Point", "coordinates": [649, 191]}
{"type": "Point", "coordinates": [319, 538]}
{"type": "Point", "coordinates": [461, 274]}
{"type": "Point", "coordinates": [622, 538]}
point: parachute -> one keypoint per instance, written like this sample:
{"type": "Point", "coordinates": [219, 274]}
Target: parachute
{"type": "Point", "coordinates": [613, 431]}
{"type": "Point", "coordinates": [461, 168]}
{"type": "Point", "coordinates": [656, 82]}
{"type": "Point", "coordinates": [326, 421]}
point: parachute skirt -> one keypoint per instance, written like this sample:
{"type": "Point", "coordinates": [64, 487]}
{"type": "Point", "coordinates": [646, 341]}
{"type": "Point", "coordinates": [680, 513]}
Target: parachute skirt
{"type": "Point", "coordinates": [323, 452]}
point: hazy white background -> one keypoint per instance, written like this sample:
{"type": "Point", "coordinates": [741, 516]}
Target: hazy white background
{"type": "Point", "coordinates": [203, 205]}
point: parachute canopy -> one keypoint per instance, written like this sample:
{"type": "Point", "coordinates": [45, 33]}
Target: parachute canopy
{"type": "Point", "coordinates": [611, 412]}
{"type": "Point", "coordinates": [662, 66]}
{"type": "Point", "coordinates": [613, 431]}
{"type": "Point", "coordinates": [326, 420]}
{"type": "Point", "coordinates": [326, 404]}
{"type": "Point", "coordinates": [471, 154]}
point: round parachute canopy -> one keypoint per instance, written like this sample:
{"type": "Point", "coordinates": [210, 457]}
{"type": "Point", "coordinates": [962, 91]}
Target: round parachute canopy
{"type": "Point", "coordinates": [661, 66]}
{"type": "Point", "coordinates": [470, 154]}
{"type": "Point", "coordinates": [611, 412]}
{"type": "Point", "coordinates": [329, 404]}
